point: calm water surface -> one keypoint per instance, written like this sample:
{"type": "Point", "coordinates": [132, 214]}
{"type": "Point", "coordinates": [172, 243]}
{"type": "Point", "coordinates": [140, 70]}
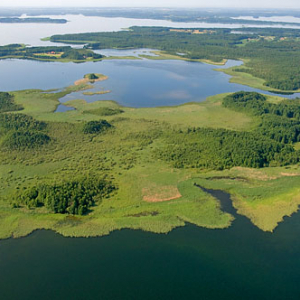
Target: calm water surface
{"type": "Point", "coordinates": [241, 262]}
{"type": "Point", "coordinates": [134, 83]}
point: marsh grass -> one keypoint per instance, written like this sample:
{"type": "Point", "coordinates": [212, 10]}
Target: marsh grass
{"type": "Point", "coordinates": [124, 153]}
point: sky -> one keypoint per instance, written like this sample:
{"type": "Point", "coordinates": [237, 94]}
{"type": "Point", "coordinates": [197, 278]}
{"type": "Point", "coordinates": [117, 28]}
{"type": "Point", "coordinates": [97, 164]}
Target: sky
{"type": "Point", "coordinates": [153, 3]}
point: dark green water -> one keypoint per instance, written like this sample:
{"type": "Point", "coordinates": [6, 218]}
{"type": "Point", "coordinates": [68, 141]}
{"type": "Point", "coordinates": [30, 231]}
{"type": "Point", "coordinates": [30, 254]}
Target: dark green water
{"type": "Point", "coordinates": [241, 262]}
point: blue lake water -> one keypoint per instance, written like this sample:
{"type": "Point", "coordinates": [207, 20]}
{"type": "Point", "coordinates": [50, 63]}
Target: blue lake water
{"type": "Point", "coordinates": [134, 83]}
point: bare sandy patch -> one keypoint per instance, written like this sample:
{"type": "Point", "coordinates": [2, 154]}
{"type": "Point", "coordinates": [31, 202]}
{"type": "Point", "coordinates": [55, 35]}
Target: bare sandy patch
{"type": "Point", "coordinates": [289, 174]}
{"type": "Point", "coordinates": [161, 194]}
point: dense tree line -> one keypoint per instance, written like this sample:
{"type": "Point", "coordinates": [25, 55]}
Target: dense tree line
{"type": "Point", "coordinates": [73, 197]}
{"type": "Point", "coordinates": [24, 139]}
{"type": "Point", "coordinates": [272, 55]}
{"type": "Point", "coordinates": [256, 104]}
{"type": "Point", "coordinates": [17, 50]}
{"type": "Point", "coordinates": [280, 121]}
{"type": "Point", "coordinates": [105, 111]}
{"type": "Point", "coordinates": [270, 143]}
{"type": "Point", "coordinates": [20, 121]}
{"type": "Point", "coordinates": [220, 149]}
{"type": "Point", "coordinates": [7, 103]}
{"type": "Point", "coordinates": [20, 131]}
{"type": "Point", "coordinates": [96, 126]}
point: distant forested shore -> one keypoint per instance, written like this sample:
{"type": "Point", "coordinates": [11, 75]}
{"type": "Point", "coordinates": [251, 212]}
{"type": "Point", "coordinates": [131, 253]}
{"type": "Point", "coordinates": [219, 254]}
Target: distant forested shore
{"type": "Point", "coordinates": [269, 53]}
{"type": "Point", "coordinates": [32, 20]}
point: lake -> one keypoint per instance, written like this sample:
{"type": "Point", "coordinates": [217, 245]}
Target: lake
{"type": "Point", "coordinates": [134, 83]}
{"type": "Point", "coordinates": [240, 262]}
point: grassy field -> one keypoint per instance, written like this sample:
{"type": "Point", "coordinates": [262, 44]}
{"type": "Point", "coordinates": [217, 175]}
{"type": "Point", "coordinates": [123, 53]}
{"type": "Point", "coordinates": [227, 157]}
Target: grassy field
{"type": "Point", "coordinates": [151, 195]}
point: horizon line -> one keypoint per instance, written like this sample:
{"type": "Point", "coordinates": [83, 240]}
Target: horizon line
{"type": "Point", "coordinates": [156, 7]}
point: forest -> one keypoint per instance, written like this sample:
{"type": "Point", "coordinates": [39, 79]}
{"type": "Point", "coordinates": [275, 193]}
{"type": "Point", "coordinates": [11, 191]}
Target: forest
{"type": "Point", "coordinates": [72, 197]}
{"type": "Point", "coordinates": [19, 131]}
{"type": "Point", "coordinates": [7, 103]}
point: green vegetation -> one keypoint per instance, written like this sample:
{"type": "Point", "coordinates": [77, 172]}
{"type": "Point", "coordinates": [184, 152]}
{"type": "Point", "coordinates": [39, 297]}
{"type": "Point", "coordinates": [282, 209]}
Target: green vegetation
{"type": "Point", "coordinates": [81, 175]}
{"type": "Point", "coordinates": [104, 111]}
{"type": "Point", "coordinates": [24, 140]}
{"type": "Point", "coordinates": [7, 103]}
{"type": "Point", "coordinates": [74, 197]}
{"type": "Point", "coordinates": [265, 196]}
{"type": "Point", "coordinates": [270, 55]}
{"type": "Point", "coordinates": [280, 122]}
{"type": "Point", "coordinates": [96, 126]}
{"type": "Point", "coordinates": [202, 148]}
{"type": "Point", "coordinates": [92, 76]}
{"type": "Point", "coordinates": [20, 131]}
{"type": "Point", "coordinates": [152, 155]}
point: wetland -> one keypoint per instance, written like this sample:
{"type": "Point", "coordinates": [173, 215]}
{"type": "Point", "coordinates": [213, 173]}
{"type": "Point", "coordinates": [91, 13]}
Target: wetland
{"type": "Point", "coordinates": [178, 178]}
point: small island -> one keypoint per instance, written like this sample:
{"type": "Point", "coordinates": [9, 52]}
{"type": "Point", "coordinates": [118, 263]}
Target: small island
{"type": "Point", "coordinates": [91, 78]}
